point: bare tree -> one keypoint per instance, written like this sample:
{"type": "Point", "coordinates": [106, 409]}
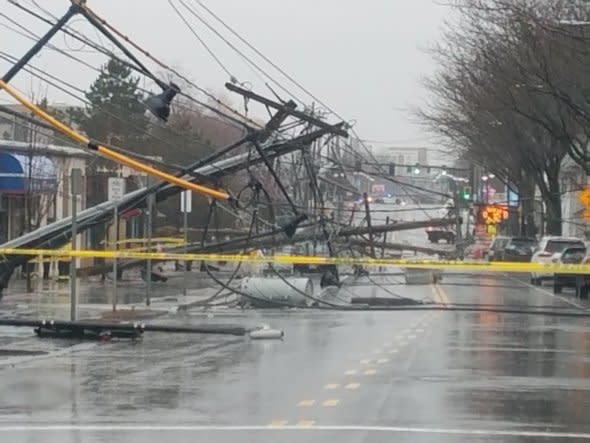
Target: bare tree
{"type": "Point", "coordinates": [40, 187]}
{"type": "Point", "coordinates": [504, 97]}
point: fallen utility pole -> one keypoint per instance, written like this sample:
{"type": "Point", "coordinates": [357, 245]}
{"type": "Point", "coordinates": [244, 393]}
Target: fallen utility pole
{"type": "Point", "coordinates": [93, 329]}
{"type": "Point", "coordinates": [334, 129]}
{"type": "Point", "coordinates": [57, 234]}
{"type": "Point", "coordinates": [368, 218]}
{"type": "Point", "coordinates": [392, 227]}
{"type": "Point", "coordinates": [384, 239]}
{"type": "Point", "coordinates": [404, 247]}
{"type": "Point", "coordinates": [277, 238]}
{"type": "Point", "coordinates": [270, 239]}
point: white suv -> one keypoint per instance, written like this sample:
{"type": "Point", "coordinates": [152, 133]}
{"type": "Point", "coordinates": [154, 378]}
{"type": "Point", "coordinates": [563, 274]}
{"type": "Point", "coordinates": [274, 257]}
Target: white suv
{"type": "Point", "coordinates": [548, 251]}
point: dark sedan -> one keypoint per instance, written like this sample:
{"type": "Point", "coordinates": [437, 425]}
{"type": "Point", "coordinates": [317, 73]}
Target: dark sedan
{"type": "Point", "coordinates": [519, 249]}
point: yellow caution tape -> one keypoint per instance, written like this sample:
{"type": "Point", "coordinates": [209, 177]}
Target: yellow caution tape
{"type": "Point", "coordinates": [540, 268]}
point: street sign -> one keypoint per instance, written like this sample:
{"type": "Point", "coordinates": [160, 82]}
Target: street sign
{"type": "Point", "coordinates": [186, 196]}
{"type": "Point", "coordinates": [513, 198]}
{"type": "Point", "coordinates": [584, 197]}
{"type": "Point", "coordinates": [116, 188]}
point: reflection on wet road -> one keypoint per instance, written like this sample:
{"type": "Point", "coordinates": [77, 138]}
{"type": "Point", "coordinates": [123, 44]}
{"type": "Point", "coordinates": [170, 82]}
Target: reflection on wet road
{"type": "Point", "coordinates": [337, 376]}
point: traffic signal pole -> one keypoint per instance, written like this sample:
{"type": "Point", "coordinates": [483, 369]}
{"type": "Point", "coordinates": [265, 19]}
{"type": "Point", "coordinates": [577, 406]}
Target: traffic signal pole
{"type": "Point", "coordinates": [458, 236]}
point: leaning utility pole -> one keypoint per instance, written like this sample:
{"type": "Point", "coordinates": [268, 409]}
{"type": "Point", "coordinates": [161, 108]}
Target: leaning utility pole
{"type": "Point", "coordinates": [368, 217]}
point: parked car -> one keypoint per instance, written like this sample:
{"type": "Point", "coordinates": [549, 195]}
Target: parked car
{"type": "Point", "coordinates": [550, 250]}
{"type": "Point", "coordinates": [437, 234]}
{"type": "Point", "coordinates": [519, 249]}
{"type": "Point", "coordinates": [497, 248]}
{"type": "Point", "coordinates": [574, 255]}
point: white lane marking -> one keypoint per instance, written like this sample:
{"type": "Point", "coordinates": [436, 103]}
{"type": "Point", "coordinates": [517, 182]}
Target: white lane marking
{"type": "Point", "coordinates": [546, 292]}
{"type": "Point", "coordinates": [241, 428]}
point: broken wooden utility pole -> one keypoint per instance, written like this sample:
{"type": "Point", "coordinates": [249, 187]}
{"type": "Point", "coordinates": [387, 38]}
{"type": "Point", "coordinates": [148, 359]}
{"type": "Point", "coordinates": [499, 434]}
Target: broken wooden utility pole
{"type": "Point", "coordinates": [368, 218]}
{"type": "Point", "coordinates": [277, 238]}
{"type": "Point", "coordinates": [405, 247]}
{"type": "Point", "coordinates": [335, 129]}
{"type": "Point", "coordinates": [384, 238]}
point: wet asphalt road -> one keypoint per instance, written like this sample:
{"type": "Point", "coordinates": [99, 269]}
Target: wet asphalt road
{"type": "Point", "coordinates": [336, 376]}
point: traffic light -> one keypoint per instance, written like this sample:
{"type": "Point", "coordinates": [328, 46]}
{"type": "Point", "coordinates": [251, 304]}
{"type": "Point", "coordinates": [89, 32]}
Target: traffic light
{"type": "Point", "coordinates": [417, 169]}
{"type": "Point", "coordinates": [358, 165]}
{"type": "Point", "coordinates": [466, 194]}
{"type": "Point", "coordinates": [392, 169]}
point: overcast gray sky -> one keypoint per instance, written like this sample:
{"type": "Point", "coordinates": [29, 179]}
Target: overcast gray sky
{"type": "Point", "coordinates": [362, 58]}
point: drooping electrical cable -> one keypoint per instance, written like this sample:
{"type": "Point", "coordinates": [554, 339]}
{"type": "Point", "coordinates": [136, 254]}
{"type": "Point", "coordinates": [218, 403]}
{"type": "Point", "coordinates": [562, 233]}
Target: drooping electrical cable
{"type": "Point", "coordinates": [247, 59]}
{"type": "Point", "coordinates": [85, 40]}
{"type": "Point", "coordinates": [202, 42]}
{"type": "Point", "coordinates": [265, 58]}
{"type": "Point", "coordinates": [55, 81]}
{"type": "Point", "coordinates": [39, 74]}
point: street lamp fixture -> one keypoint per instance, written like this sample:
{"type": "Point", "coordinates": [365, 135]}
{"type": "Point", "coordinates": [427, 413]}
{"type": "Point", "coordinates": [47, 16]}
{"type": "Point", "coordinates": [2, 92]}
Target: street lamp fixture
{"type": "Point", "coordinates": [159, 104]}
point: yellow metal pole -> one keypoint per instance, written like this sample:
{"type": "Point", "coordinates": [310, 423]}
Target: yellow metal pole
{"type": "Point", "coordinates": [113, 155]}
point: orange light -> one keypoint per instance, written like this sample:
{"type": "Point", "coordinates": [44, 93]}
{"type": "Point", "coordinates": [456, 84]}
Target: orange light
{"type": "Point", "coordinates": [494, 214]}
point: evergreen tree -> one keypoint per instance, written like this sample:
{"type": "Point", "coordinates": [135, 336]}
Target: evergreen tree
{"type": "Point", "coordinates": [115, 113]}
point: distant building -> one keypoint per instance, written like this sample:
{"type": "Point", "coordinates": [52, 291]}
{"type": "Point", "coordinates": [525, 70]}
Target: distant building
{"type": "Point", "coordinates": [15, 128]}
{"type": "Point", "coordinates": [406, 158]}
{"type": "Point", "coordinates": [572, 180]}
{"type": "Point", "coordinates": [416, 167]}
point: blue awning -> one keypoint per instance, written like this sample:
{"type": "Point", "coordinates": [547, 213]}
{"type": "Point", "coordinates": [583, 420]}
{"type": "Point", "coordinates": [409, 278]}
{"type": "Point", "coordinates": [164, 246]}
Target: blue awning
{"type": "Point", "coordinates": [20, 174]}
